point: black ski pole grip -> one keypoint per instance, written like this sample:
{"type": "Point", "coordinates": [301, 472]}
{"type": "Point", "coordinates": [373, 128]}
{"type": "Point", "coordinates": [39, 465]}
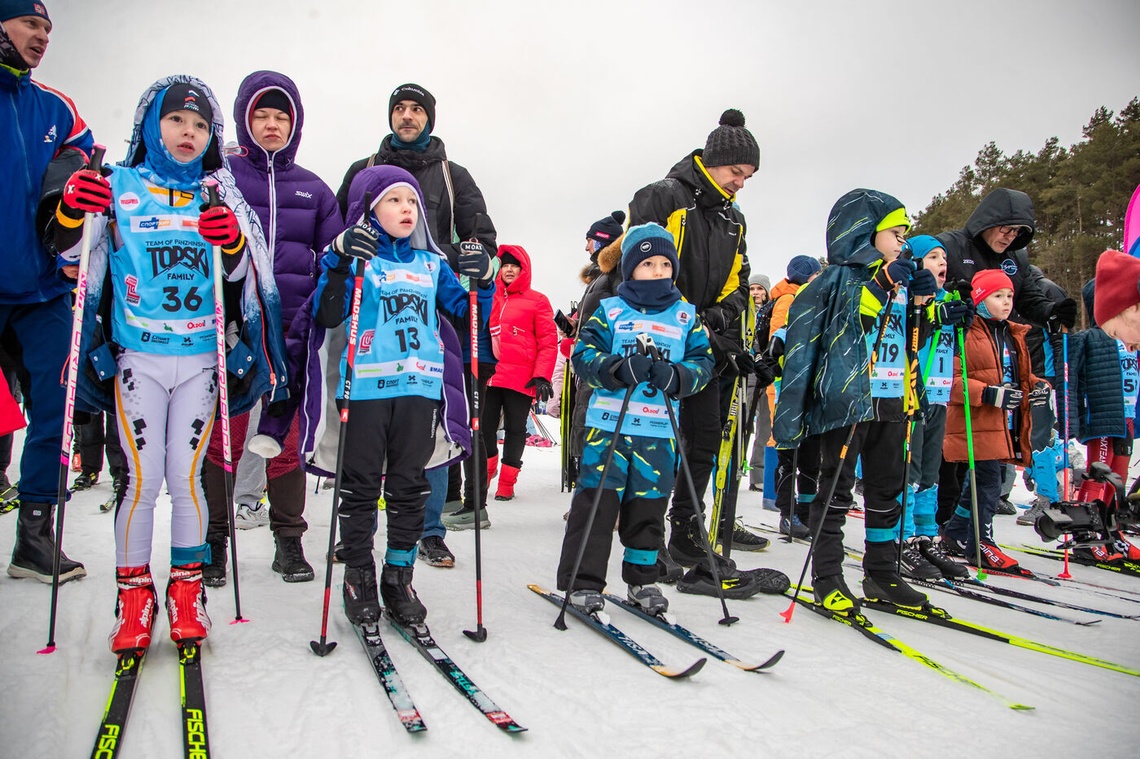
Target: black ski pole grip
{"type": "Point", "coordinates": [96, 162]}
{"type": "Point", "coordinates": [212, 197]}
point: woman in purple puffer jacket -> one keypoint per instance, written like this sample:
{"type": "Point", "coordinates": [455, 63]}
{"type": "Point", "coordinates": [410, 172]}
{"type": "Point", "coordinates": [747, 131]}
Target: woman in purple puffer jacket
{"type": "Point", "coordinates": [300, 216]}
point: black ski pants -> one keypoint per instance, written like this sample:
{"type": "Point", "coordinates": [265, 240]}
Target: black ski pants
{"type": "Point", "coordinates": [641, 527]}
{"type": "Point", "coordinates": [514, 408]}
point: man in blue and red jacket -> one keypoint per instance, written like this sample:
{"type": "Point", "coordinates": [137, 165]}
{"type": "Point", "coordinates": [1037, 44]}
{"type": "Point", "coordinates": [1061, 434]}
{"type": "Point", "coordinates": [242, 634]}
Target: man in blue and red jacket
{"type": "Point", "coordinates": [40, 125]}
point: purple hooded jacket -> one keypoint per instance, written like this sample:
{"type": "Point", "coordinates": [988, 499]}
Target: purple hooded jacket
{"type": "Point", "coordinates": [297, 209]}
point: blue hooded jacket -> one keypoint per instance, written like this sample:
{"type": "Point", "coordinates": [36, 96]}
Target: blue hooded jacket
{"type": "Point", "coordinates": [826, 377]}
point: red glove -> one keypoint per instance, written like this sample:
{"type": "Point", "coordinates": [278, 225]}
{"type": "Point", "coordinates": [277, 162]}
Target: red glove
{"type": "Point", "coordinates": [219, 225]}
{"type": "Point", "coordinates": [87, 191]}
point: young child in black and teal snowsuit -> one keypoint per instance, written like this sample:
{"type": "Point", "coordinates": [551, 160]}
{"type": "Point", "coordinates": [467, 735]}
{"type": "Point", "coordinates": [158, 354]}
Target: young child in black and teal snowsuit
{"type": "Point", "coordinates": [641, 475]}
{"type": "Point", "coordinates": [833, 388]}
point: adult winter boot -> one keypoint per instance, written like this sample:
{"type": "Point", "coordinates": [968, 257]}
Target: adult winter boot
{"type": "Point", "coordinates": [214, 573]}
{"type": "Point", "coordinates": [668, 570]}
{"type": "Point", "coordinates": [685, 544]}
{"type": "Point", "coordinates": [492, 467]}
{"type": "Point", "coordinates": [507, 480]}
{"type": "Point", "coordinates": [34, 552]}
{"type": "Point", "coordinates": [400, 597]}
{"type": "Point", "coordinates": [186, 603]}
{"type": "Point", "coordinates": [882, 581]}
{"type": "Point", "coordinates": [361, 604]}
{"type": "Point", "coordinates": [289, 560]}
{"type": "Point", "coordinates": [134, 609]}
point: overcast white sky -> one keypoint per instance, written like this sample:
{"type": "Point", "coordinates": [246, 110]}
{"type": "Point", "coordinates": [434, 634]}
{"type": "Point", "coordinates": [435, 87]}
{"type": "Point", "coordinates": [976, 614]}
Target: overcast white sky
{"type": "Point", "coordinates": [561, 111]}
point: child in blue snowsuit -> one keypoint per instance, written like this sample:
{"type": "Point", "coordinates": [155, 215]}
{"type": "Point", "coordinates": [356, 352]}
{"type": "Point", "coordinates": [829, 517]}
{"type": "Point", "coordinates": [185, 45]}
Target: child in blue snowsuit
{"type": "Point", "coordinates": [397, 390]}
{"type": "Point", "coordinates": [640, 477]}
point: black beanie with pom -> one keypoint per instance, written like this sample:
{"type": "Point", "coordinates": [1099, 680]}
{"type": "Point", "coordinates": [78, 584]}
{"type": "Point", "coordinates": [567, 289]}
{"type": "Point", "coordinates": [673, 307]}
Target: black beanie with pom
{"type": "Point", "coordinates": [730, 143]}
{"type": "Point", "coordinates": [608, 229]}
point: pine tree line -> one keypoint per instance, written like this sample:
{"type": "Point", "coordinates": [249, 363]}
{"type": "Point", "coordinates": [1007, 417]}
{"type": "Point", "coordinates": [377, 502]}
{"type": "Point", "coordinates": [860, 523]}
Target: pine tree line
{"type": "Point", "coordinates": [1080, 194]}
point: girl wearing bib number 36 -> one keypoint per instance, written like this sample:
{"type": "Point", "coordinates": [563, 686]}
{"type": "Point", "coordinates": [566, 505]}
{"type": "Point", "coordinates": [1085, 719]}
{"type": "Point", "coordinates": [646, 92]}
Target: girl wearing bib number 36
{"type": "Point", "coordinates": [149, 334]}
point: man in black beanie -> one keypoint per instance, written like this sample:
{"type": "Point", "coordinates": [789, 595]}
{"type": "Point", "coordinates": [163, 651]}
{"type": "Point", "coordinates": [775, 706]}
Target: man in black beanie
{"type": "Point", "coordinates": [45, 130]}
{"type": "Point", "coordinates": [455, 211]}
{"type": "Point", "coordinates": [697, 197]}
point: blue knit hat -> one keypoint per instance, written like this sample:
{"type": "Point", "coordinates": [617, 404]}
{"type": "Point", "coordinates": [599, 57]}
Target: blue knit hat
{"type": "Point", "coordinates": [802, 268]}
{"type": "Point", "coordinates": [920, 245]}
{"type": "Point", "coordinates": [10, 9]}
{"type": "Point", "coordinates": [642, 242]}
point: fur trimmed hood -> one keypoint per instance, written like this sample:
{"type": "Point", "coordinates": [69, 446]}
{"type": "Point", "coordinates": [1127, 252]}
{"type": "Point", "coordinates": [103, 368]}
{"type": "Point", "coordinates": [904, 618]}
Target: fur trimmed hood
{"type": "Point", "coordinates": [609, 257]}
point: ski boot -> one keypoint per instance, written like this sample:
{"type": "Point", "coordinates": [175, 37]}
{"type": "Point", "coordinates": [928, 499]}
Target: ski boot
{"type": "Point", "coordinates": [932, 551]}
{"type": "Point", "coordinates": [186, 604]}
{"type": "Point", "coordinates": [882, 580]}
{"type": "Point", "coordinates": [134, 610]}
{"type": "Point", "coordinates": [993, 559]}
{"type": "Point", "coordinates": [648, 598]}
{"type": "Point", "coordinates": [587, 601]}
{"type": "Point", "coordinates": [400, 599]}
{"type": "Point", "coordinates": [361, 604]}
{"type": "Point", "coordinates": [915, 564]}
{"type": "Point", "coordinates": [832, 593]}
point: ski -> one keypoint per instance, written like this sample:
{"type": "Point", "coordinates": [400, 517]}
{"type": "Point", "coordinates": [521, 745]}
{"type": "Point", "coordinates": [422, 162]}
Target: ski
{"type": "Point", "coordinates": [1120, 566]}
{"type": "Point", "coordinates": [195, 734]}
{"type": "Point", "coordinates": [869, 630]}
{"type": "Point", "coordinates": [9, 498]}
{"type": "Point", "coordinates": [721, 466]}
{"type": "Point", "coordinates": [108, 505]}
{"type": "Point", "coordinates": [665, 622]}
{"type": "Point", "coordinates": [976, 583]}
{"type": "Point", "coordinates": [369, 635]}
{"type": "Point", "coordinates": [782, 537]}
{"type": "Point", "coordinates": [602, 624]}
{"type": "Point", "coordinates": [421, 640]}
{"type": "Point", "coordinates": [110, 737]}
{"type": "Point", "coordinates": [942, 618]}
{"type": "Point", "coordinates": [950, 586]}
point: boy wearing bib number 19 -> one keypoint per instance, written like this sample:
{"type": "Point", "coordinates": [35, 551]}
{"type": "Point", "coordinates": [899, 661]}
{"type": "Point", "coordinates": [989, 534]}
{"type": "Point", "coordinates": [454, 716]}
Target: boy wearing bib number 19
{"type": "Point", "coordinates": [151, 335]}
{"type": "Point", "coordinates": [640, 477]}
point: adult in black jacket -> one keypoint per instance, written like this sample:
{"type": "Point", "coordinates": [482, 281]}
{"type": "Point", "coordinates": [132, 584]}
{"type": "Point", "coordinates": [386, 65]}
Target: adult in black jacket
{"type": "Point", "coordinates": [696, 203]}
{"type": "Point", "coordinates": [995, 237]}
{"type": "Point", "coordinates": [455, 208]}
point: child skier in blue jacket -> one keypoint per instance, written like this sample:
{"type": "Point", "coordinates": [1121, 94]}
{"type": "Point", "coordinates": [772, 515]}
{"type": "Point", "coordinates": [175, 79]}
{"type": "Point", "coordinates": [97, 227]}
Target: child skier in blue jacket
{"type": "Point", "coordinates": [398, 383]}
{"type": "Point", "coordinates": [640, 478]}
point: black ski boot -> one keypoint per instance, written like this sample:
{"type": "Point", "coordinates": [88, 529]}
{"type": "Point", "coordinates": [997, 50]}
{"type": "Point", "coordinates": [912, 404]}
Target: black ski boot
{"type": "Point", "coordinates": [214, 573]}
{"type": "Point", "coordinates": [832, 593]}
{"type": "Point", "coordinates": [932, 551]}
{"type": "Point", "coordinates": [400, 597]}
{"type": "Point", "coordinates": [361, 605]}
{"type": "Point", "coordinates": [289, 560]}
{"type": "Point", "coordinates": [34, 552]}
{"type": "Point", "coordinates": [882, 581]}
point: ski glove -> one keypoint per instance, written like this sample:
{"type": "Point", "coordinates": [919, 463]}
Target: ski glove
{"type": "Point", "coordinates": [543, 390]}
{"type": "Point", "coordinates": [1039, 397]}
{"type": "Point", "coordinates": [766, 370]}
{"type": "Point", "coordinates": [1122, 446]}
{"type": "Point", "coordinates": [898, 271]}
{"type": "Point", "coordinates": [665, 377]}
{"type": "Point", "coordinates": [633, 370]}
{"type": "Point", "coordinates": [474, 261]}
{"type": "Point", "coordinates": [1064, 313]}
{"type": "Point", "coordinates": [1005, 398]}
{"type": "Point", "coordinates": [219, 225]}
{"type": "Point", "coordinates": [953, 312]}
{"type": "Point", "coordinates": [744, 364]}
{"type": "Point", "coordinates": [714, 320]}
{"type": "Point", "coordinates": [358, 241]}
{"type": "Point", "coordinates": [923, 283]}
{"type": "Point", "coordinates": [86, 191]}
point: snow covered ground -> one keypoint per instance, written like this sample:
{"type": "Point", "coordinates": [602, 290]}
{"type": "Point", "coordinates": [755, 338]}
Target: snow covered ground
{"type": "Point", "coordinates": [834, 693]}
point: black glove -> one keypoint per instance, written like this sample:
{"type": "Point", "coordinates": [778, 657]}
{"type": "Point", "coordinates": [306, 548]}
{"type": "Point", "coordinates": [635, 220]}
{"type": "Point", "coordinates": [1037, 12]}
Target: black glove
{"type": "Point", "coordinates": [1039, 396]}
{"type": "Point", "coordinates": [922, 283]}
{"type": "Point", "coordinates": [543, 390]}
{"type": "Point", "coordinates": [633, 370]}
{"type": "Point", "coordinates": [277, 409]}
{"type": "Point", "coordinates": [899, 270]}
{"type": "Point", "coordinates": [1122, 446]}
{"type": "Point", "coordinates": [766, 370]}
{"type": "Point", "coordinates": [953, 312]}
{"type": "Point", "coordinates": [714, 320]}
{"type": "Point", "coordinates": [776, 347]}
{"type": "Point", "coordinates": [1005, 398]}
{"type": "Point", "coordinates": [1064, 312]}
{"type": "Point", "coordinates": [474, 261]}
{"type": "Point", "coordinates": [665, 377]}
{"type": "Point", "coordinates": [744, 364]}
{"type": "Point", "coordinates": [358, 241]}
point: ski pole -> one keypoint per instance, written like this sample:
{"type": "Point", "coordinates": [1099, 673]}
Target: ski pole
{"type": "Point", "coordinates": [884, 316]}
{"type": "Point", "coordinates": [560, 622]}
{"type": "Point", "coordinates": [323, 647]}
{"type": "Point", "coordinates": [1064, 574]}
{"type": "Point", "coordinates": [479, 634]}
{"type": "Point", "coordinates": [224, 400]}
{"type": "Point", "coordinates": [95, 164]}
{"type": "Point", "coordinates": [970, 456]}
{"type": "Point", "coordinates": [648, 345]}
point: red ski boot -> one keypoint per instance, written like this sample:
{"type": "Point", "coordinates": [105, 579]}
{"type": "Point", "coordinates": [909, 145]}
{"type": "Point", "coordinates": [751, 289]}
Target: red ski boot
{"type": "Point", "coordinates": [1125, 547]}
{"type": "Point", "coordinates": [186, 604]}
{"type": "Point", "coordinates": [134, 610]}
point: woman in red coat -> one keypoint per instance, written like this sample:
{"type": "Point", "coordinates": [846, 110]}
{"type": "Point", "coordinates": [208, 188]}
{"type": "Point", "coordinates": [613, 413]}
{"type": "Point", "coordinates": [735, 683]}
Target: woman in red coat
{"type": "Point", "coordinates": [525, 342]}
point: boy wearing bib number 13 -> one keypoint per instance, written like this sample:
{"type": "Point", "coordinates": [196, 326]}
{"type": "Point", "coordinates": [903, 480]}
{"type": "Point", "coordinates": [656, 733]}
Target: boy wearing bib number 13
{"type": "Point", "coordinates": [149, 334]}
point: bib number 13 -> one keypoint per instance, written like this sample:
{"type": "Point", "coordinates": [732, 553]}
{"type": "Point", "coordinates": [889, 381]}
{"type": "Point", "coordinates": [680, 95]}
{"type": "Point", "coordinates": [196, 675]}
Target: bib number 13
{"type": "Point", "coordinates": [175, 301]}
